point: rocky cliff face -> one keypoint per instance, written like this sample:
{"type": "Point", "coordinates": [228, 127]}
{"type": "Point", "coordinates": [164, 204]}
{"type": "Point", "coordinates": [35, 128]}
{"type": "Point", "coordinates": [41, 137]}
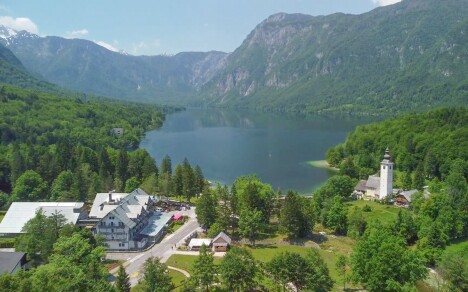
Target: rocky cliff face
{"type": "Point", "coordinates": [409, 56]}
{"type": "Point", "coordinates": [403, 56]}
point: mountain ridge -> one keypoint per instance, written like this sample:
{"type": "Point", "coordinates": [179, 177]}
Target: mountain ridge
{"type": "Point", "coordinates": [309, 63]}
{"type": "Point", "coordinates": [410, 56]}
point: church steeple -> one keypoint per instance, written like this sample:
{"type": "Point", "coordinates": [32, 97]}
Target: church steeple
{"type": "Point", "coordinates": [386, 175]}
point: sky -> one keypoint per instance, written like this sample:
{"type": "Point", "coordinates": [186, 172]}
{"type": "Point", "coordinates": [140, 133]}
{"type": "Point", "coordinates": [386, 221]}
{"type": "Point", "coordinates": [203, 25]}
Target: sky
{"type": "Point", "coordinates": [154, 27]}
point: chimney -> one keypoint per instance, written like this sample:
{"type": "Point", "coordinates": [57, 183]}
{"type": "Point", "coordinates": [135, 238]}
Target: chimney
{"type": "Point", "coordinates": [110, 196]}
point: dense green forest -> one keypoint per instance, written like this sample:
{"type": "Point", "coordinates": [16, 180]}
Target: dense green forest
{"type": "Point", "coordinates": [57, 148]}
{"type": "Point", "coordinates": [423, 143]}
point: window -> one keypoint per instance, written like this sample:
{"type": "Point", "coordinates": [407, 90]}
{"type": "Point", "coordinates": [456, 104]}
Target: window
{"type": "Point", "coordinates": [384, 167]}
{"type": "Point", "coordinates": [112, 223]}
{"type": "Point", "coordinates": [112, 230]}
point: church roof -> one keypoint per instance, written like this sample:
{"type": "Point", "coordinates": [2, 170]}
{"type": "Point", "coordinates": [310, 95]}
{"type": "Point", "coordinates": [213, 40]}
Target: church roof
{"type": "Point", "coordinates": [387, 158]}
{"type": "Point", "coordinates": [373, 182]}
{"type": "Point", "coordinates": [361, 186]}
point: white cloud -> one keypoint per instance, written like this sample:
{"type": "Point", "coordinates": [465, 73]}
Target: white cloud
{"type": "Point", "coordinates": [107, 46]}
{"type": "Point", "coordinates": [19, 23]}
{"type": "Point", "coordinates": [385, 2]}
{"type": "Point", "coordinates": [76, 33]}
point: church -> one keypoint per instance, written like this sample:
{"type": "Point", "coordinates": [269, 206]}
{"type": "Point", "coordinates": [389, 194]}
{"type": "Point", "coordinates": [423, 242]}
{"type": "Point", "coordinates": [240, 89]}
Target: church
{"type": "Point", "coordinates": [375, 187]}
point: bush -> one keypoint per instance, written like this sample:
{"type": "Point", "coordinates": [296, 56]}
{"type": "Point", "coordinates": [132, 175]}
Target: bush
{"type": "Point", "coordinates": [366, 208]}
{"type": "Point", "coordinates": [7, 242]}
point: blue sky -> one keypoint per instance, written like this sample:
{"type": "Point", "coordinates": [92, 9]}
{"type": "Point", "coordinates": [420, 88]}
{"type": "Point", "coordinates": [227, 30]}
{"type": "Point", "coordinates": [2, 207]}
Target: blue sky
{"type": "Point", "coordinates": [151, 27]}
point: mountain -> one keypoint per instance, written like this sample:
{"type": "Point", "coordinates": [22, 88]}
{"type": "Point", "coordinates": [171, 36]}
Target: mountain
{"type": "Point", "coordinates": [13, 72]}
{"type": "Point", "coordinates": [85, 66]}
{"type": "Point", "coordinates": [407, 56]}
{"type": "Point", "coordinates": [410, 56]}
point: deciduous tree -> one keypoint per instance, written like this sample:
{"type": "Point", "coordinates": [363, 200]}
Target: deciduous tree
{"type": "Point", "coordinates": [238, 269]}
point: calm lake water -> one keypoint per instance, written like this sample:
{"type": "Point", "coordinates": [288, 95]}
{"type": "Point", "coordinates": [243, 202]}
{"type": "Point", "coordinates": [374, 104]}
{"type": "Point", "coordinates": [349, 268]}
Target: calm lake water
{"type": "Point", "coordinates": [228, 143]}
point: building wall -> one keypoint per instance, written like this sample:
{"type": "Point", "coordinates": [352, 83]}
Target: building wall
{"type": "Point", "coordinates": [113, 229]}
{"type": "Point", "coordinates": [386, 180]}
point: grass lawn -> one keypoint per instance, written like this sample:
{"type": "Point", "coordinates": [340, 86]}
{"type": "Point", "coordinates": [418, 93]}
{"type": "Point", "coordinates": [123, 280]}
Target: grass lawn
{"type": "Point", "coordinates": [460, 246]}
{"type": "Point", "coordinates": [185, 262]}
{"type": "Point", "coordinates": [385, 213]}
{"type": "Point", "coordinates": [177, 278]}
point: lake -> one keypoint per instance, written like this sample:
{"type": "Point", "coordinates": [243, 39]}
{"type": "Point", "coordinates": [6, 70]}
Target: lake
{"type": "Point", "coordinates": [228, 143]}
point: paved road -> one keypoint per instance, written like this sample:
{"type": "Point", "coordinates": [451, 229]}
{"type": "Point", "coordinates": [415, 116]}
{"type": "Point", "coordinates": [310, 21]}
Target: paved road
{"type": "Point", "coordinates": [163, 250]}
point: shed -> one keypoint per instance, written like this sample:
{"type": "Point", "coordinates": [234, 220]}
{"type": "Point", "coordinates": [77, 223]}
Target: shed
{"type": "Point", "coordinates": [221, 242]}
{"type": "Point", "coordinates": [196, 243]}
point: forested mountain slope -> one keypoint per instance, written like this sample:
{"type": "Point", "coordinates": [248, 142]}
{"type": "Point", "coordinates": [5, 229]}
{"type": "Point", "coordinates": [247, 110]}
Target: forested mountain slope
{"type": "Point", "coordinates": [411, 56]}
{"type": "Point", "coordinates": [427, 143]}
{"type": "Point", "coordinates": [13, 72]}
{"type": "Point", "coordinates": [85, 66]}
{"type": "Point", "coordinates": [407, 56]}
{"type": "Point", "coordinates": [61, 148]}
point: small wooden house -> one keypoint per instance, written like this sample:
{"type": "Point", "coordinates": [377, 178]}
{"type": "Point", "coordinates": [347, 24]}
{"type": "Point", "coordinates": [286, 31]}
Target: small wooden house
{"type": "Point", "coordinates": [404, 198]}
{"type": "Point", "coordinates": [221, 242]}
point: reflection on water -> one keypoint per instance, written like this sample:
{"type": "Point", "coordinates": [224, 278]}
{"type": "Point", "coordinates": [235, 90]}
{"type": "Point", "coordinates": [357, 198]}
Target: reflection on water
{"type": "Point", "coordinates": [230, 143]}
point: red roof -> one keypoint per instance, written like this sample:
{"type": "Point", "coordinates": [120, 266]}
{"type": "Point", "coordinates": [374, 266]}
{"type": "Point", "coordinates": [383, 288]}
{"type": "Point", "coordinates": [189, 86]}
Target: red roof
{"type": "Point", "coordinates": [178, 216]}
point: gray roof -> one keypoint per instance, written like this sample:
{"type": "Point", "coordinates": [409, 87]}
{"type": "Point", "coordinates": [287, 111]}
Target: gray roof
{"type": "Point", "coordinates": [373, 182]}
{"type": "Point", "coordinates": [21, 212]}
{"type": "Point", "coordinates": [126, 207]}
{"type": "Point", "coordinates": [222, 235]}
{"type": "Point", "coordinates": [102, 206]}
{"type": "Point", "coordinates": [9, 260]}
{"type": "Point", "coordinates": [408, 194]}
{"type": "Point", "coordinates": [361, 186]}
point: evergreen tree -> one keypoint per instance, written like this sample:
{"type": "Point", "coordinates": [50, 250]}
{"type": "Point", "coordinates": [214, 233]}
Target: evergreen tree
{"type": "Point", "coordinates": [294, 219]}
{"type": "Point", "coordinates": [199, 181]}
{"type": "Point", "coordinates": [178, 181]}
{"type": "Point", "coordinates": [156, 278]}
{"type": "Point", "coordinates": [166, 165]}
{"type": "Point", "coordinates": [407, 180]}
{"type": "Point", "coordinates": [418, 181]}
{"type": "Point", "coordinates": [122, 281]}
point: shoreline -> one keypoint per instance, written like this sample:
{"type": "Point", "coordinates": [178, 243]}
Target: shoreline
{"type": "Point", "coordinates": [322, 164]}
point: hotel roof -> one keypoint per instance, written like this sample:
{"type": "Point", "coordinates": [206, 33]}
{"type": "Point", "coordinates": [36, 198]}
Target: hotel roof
{"type": "Point", "coordinates": [21, 212]}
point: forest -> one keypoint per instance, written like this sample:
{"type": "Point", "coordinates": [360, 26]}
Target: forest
{"type": "Point", "coordinates": [58, 148]}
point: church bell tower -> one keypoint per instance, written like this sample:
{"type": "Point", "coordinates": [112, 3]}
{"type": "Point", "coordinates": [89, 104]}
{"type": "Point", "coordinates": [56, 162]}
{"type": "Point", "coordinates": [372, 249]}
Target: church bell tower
{"type": "Point", "coordinates": [386, 175]}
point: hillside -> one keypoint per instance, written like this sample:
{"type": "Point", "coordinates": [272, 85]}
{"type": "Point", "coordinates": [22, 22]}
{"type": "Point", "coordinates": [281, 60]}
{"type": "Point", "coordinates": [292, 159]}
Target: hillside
{"type": "Point", "coordinates": [411, 56]}
{"type": "Point", "coordinates": [426, 143]}
{"type": "Point", "coordinates": [84, 66]}
{"type": "Point", "coordinates": [50, 134]}
{"type": "Point", "coordinates": [13, 72]}
{"type": "Point", "coordinates": [407, 56]}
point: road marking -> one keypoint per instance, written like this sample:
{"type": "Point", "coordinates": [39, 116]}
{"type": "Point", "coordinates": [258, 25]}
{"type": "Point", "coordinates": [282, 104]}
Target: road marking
{"type": "Point", "coordinates": [137, 257]}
